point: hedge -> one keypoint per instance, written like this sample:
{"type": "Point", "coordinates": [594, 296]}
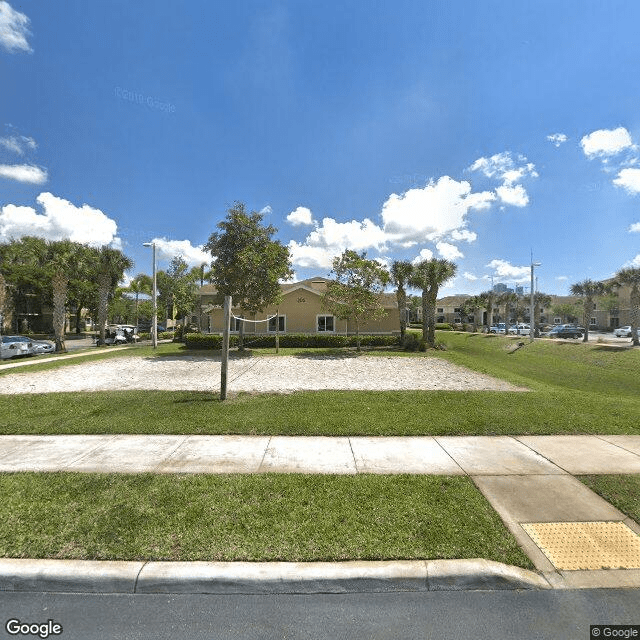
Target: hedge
{"type": "Point", "coordinates": [291, 340]}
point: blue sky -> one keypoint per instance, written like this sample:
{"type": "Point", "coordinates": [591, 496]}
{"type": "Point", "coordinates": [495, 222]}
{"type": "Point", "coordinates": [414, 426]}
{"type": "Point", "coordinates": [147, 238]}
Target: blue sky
{"type": "Point", "coordinates": [477, 131]}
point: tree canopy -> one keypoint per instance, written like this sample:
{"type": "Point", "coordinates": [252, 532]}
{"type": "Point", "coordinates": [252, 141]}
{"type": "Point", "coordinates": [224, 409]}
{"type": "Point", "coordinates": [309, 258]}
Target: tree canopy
{"type": "Point", "coordinates": [248, 264]}
{"type": "Point", "coordinates": [355, 292]}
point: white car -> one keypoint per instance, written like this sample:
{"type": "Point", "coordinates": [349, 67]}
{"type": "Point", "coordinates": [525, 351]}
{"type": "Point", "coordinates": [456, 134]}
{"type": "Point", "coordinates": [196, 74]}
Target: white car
{"type": "Point", "coordinates": [521, 329]}
{"type": "Point", "coordinates": [625, 332]}
{"type": "Point", "coordinates": [15, 346]}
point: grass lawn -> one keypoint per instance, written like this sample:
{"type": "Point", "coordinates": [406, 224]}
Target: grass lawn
{"type": "Point", "coordinates": [249, 517]}
{"type": "Point", "coordinates": [576, 388]}
{"type": "Point", "coordinates": [622, 491]}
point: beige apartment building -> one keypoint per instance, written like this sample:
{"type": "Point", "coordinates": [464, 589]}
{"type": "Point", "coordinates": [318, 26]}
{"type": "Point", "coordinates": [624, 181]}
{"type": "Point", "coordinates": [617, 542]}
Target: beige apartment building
{"type": "Point", "coordinates": [299, 312]}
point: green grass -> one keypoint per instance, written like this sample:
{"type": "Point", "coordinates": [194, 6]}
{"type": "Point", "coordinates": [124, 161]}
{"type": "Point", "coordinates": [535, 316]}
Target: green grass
{"type": "Point", "coordinates": [575, 389]}
{"type": "Point", "coordinates": [622, 491]}
{"type": "Point", "coordinates": [263, 517]}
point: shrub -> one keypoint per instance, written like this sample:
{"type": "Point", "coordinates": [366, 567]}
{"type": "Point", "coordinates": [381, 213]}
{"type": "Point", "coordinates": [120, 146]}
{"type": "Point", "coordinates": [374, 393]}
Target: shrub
{"type": "Point", "coordinates": [422, 345]}
{"type": "Point", "coordinates": [410, 342]}
{"type": "Point", "coordinates": [443, 326]}
{"type": "Point", "coordinates": [291, 340]}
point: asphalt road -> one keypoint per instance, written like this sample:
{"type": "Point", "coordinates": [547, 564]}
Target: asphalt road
{"type": "Point", "coordinates": [495, 615]}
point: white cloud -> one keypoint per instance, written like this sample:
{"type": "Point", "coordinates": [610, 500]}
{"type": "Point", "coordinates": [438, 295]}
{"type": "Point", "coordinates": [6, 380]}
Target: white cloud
{"type": "Point", "coordinates": [504, 269]}
{"type": "Point", "coordinates": [18, 144]}
{"type": "Point", "coordinates": [306, 256]}
{"type": "Point", "coordinates": [469, 276]}
{"type": "Point", "coordinates": [629, 179]}
{"type": "Point", "coordinates": [425, 254]}
{"type": "Point", "coordinates": [562, 278]}
{"type": "Point", "coordinates": [606, 142]}
{"type": "Point", "coordinates": [635, 228]}
{"type": "Point", "coordinates": [511, 172]}
{"type": "Point", "coordinates": [464, 235]}
{"type": "Point", "coordinates": [557, 139]}
{"type": "Point", "coordinates": [24, 173]}
{"type": "Point", "coordinates": [265, 211]}
{"type": "Point", "coordinates": [332, 238]}
{"type": "Point", "coordinates": [635, 262]}
{"type": "Point", "coordinates": [432, 212]}
{"type": "Point", "coordinates": [301, 216]}
{"type": "Point", "coordinates": [448, 251]}
{"type": "Point", "coordinates": [193, 256]}
{"type": "Point", "coordinates": [59, 220]}
{"type": "Point", "coordinates": [513, 195]}
{"type": "Point", "coordinates": [13, 29]}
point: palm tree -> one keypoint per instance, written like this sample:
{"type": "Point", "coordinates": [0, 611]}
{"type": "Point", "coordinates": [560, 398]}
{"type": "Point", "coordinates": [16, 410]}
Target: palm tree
{"type": "Point", "coordinates": [110, 265]}
{"type": "Point", "coordinates": [588, 290]}
{"type": "Point", "coordinates": [631, 276]}
{"type": "Point", "coordinates": [487, 300]}
{"type": "Point", "coordinates": [540, 301]}
{"type": "Point", "coordinates": [508, 299]}
{"type": "Point", "coordinates": [63, 256]}
{"type": "Point", "coordinates": [401, 271]}
{"type": "Point", "coordinates": [472, 305]}
{"type": "Point", "coordinates": [142, 283]}
{"type": "Point", "coordinates": [429, 275]}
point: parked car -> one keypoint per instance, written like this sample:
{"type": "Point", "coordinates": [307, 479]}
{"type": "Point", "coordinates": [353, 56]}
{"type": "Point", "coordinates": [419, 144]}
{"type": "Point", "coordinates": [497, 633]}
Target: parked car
{"type": "Point", "coordinates": [497, 328]}
{"type": "Point", "coordinates": [15, 346]}
{"type": "Point", "coordinates": [120, 334]}
{"type": "Point", "coordinates": [625, 332]}
{"type": "Point", "coordinates": [43, 346]}
{"type": "Point", "coordinates": [521, 329]}
{"type": "Point", "coordinates": [565, 331]}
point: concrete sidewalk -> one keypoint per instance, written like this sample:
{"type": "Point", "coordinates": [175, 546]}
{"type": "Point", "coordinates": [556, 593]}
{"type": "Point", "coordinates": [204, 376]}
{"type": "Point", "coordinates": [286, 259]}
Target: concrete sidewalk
{"type": "Point", "coordinates": [561, 524]}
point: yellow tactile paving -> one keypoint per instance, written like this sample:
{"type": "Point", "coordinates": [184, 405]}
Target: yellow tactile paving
{"type": "Point", "coordinates": [572, 546]}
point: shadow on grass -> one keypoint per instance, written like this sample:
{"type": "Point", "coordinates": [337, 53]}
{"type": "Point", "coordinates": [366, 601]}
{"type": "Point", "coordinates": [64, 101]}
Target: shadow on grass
{"type": "Point", "coordinates": [610, 347]}
{"type": "Point", "coordinates": [198, 397]}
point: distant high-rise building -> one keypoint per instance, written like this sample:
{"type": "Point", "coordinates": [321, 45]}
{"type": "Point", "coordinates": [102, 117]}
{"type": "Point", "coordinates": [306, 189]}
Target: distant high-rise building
{"type": "Point", "coordinates": [500, 287]}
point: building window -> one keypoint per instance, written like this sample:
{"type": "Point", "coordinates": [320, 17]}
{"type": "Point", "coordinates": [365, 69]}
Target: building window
{"type": "Point", "coordinates": [593, 322]}
{"type": "Point", "coordinates": [235, 325]}
{"type": "Point", "coordinates": [440, 319]}
{"type": "Point", "coordinates": [325, 324]}
{"type": "Point", "coordinates": [557, 320]}
{"type": "Point", "coordinates": [440, 310]}
{"type": "Point", "coordinates": [280, 324]}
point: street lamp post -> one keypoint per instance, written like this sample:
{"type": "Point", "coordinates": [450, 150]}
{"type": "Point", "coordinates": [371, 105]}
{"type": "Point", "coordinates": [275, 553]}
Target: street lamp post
{"type": "Point", "coordinates": [154, 326]}
{"type": "Point", "coordinates": [532, 312]}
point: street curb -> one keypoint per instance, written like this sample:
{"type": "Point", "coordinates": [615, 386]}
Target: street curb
{"type": "Point", "coordinates": [82, 576]}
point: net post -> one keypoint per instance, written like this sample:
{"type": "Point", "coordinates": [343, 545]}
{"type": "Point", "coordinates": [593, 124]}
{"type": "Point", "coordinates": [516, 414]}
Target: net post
{"type": "Point", "coordinates": [278, 330]}
{"type": "Point", "coordinates": [224, 364]}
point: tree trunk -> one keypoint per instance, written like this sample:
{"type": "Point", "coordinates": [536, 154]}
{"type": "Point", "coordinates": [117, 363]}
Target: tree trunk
{"type": "Point", "coordinates": [78, 316]}
{"type": "Point", "coordinates": [586, 316]}
{"type": "Point", "coordinates": [635, 313]}
{"type": "Point", "coordinates": [402, 303]}
{"type": "Point", "coordinates": [103, 304]}
{"type": "Point", "coordinates": [241, 336]}
{"type": "Point", "coordinates": [59, 283]}
{"type": "Point", "coordinates": [425, 324]}
{"type": "Point", "coordinates": [431, 323]}
{"type": "Point", "coordinates": [357, 336]}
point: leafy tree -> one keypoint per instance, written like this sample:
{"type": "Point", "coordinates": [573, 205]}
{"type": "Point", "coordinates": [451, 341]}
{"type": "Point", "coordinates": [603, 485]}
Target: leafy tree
{"type": "Point", "coordinates": [3, 297]}
{"type": "Point", "coordinates": [248, 264]}
{"type": "Point", "coordinates": [631, 277]}
{"type": "Point", "coordinates": [568, 310]}
{"type": "Point", "coordinates": [401, 271]}
{"type": "Point", "coordinates": [184, 286]}
{"type": "Point", "coordinates": [110, 265]}
{"type": "Point", "coordinates": [429, 275]}
{"type": "Point", "coordinates": [588, 290]}
{"type": "Point", "coordinates": [22, 265]}
{"type": "Point", "coordinates": [355, 292]}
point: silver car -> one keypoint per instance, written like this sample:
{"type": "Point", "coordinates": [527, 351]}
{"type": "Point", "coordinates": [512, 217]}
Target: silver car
{"type": "Point", "coordinates": [624, 332]}
{"type": "Point", "coordinates": [43, 346]}
{"type": "Point", "coordinates": [15, 346]}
